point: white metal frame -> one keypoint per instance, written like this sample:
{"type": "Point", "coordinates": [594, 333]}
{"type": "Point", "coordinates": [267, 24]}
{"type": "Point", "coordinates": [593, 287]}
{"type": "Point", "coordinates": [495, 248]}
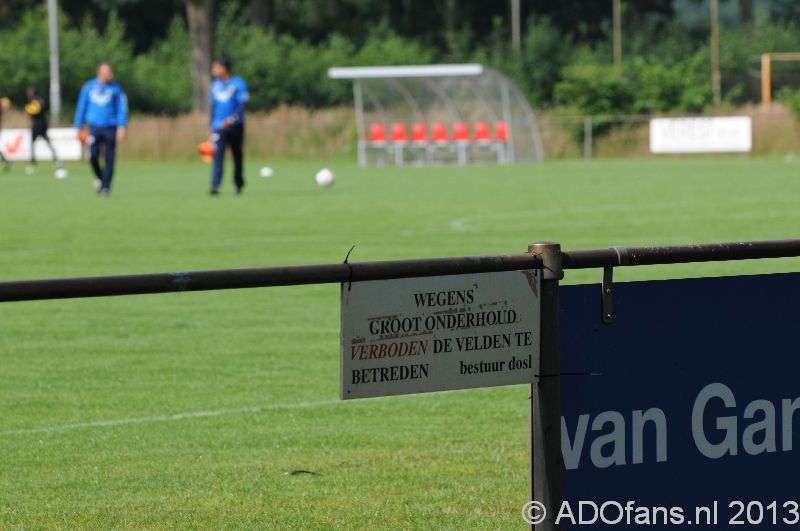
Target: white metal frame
{"type": "Point", "coordinates": [505, 150]}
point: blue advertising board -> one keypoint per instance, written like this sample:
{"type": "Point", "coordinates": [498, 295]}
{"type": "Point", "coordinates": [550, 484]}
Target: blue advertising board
{"type": "Point", "coordinates": [688, 402]}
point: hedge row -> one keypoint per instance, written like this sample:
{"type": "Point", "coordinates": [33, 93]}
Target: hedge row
{"type": "Point", "coordinates": [666, 69]}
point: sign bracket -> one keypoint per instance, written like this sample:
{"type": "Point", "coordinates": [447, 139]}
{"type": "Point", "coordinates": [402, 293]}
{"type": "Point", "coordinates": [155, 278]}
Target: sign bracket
{"type": "Point", "coordinates": [607, 295]}
{"type": "Point", "coordinates": [607, 287]}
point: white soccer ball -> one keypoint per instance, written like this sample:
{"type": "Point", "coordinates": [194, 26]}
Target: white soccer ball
{"type": "Point", "coordinates": [61, 173]}
{"type": "Point", "coordinates": [325, 177]}
{"type": "Point", "coordinates": [266, 171]}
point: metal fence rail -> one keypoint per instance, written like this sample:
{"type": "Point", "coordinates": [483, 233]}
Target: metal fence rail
{"type": "Point", "coordinates": [544, 405]}
{"type": "Point", "coordinates": [65, 288]}
{"type": "Point", "coordinates": [680, 254]}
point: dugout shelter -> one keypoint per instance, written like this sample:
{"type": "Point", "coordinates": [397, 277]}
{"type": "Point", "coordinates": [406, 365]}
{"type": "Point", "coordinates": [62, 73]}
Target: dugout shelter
{"type": "Point", "coordinates": [434, 114]}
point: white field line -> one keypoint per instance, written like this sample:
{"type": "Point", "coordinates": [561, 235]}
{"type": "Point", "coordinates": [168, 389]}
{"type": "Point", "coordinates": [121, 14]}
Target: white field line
{"type": "Point", "coordinates": [167, 418]}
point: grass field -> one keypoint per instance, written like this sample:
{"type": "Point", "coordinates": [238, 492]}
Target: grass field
{"type": "Point", "coordinates": [192, 410]}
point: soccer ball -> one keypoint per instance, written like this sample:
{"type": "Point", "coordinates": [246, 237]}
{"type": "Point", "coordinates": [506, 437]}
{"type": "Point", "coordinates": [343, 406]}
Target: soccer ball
{"type": "Point", "coordinates": [325, 177]}
{"type": "Point", "coordinates": [266, 171]}
{"type": "Point", "coordinates": [61, 173]}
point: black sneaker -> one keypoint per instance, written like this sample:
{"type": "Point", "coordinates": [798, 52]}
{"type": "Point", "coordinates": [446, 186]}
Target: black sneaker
{"type": "Point", "coordinates": [239, 190]}
{"type": "Point", "coordinates": [104, 192]}
{"type": "Point", "coordinates": [213, 191]}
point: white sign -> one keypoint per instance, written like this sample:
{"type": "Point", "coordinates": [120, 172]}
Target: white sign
{"type": "Point", "coordinates": [730, 134]}
{"type": "Point", "coordinates": [417, 335]}
{"type": "Point", "coordinates": [16, 144]}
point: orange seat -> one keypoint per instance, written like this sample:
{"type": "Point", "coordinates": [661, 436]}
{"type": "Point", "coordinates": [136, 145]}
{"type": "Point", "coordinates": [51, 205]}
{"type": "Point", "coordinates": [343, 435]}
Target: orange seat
{"type": "Point", "coordinates": [501, 131]}
{"type": "Point", "coordinates": [439, 133]}
{"type": "Point", "coordinates": [399, 133]}
{"type": "Point", "coordinates": [419, 133]}
{"type": "Point", "coordinates": [460, 132]}
{"type": "Point", "coordinates": [377, 133]}
{"type": "Point", "coordinates": [481, 132]}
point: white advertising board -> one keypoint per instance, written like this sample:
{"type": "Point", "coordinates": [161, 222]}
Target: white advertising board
{"type": "Point", "coordinates": [729, 134]}
{"type": "Point", "coordinates": [418, 335]}
{"type": "Point", "coordinates": [16, 144]}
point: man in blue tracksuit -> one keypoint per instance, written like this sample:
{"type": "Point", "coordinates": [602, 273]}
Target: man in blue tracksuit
{"type": "Point", "coordinates": [103, 107]}
{"type": "Point", "coordinates": [229, 95]}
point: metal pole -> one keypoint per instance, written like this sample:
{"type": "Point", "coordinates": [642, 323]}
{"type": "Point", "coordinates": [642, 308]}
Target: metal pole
{"type": "Point", "coordinates": [358, 100]}
{"type": "Point", "coordinates": [505, 97]}
{"type": "Point", "coordinates": [259, 277]}
{"type": "Point", "coordinates": [545, 394]}
{"type": "Point", "coordinates": [63, 288]}
{"type": "Point", "coordinates": [55, 77]}
{"type": "Point", "coordinates": [587, 138]}
{"type": "Point", "coordinates": [766, 80]}
{"type": "Point", "coordinates": [516, 33]}
{"type": "Point", "coordinates": [715, 74]}
{"type": "Point", "coordinates": [617, 12]}
{"type": "Point", "coordinates": [679, 254]}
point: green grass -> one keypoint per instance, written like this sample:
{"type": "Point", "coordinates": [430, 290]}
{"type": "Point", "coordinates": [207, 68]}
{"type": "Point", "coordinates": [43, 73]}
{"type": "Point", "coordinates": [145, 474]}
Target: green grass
{"type": "Point", "coordinates": [256, 371]}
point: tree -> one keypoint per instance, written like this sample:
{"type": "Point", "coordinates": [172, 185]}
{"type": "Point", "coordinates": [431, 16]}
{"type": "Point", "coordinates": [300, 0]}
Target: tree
{"type": "Point", "coordinates": [746, 11]}
{"type": "Point", "coordinates": [261, 12]}
{"type": "Point", "coordinates": [199, 14]}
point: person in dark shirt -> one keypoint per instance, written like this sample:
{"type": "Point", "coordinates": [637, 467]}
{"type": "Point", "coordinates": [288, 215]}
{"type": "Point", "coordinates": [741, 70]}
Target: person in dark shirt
{"type": "Point", "coordinates": [37, 111]}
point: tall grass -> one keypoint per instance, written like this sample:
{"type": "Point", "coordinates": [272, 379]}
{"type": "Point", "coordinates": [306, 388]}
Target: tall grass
{"type": "Point", "coordinates": [299, 133]}
{"type": "Point", "coordinates": [287, 132]}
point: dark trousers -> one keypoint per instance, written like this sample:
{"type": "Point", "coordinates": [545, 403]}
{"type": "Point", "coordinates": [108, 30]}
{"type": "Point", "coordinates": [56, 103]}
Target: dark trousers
{"type": "Point", "coordinates": [105, 137]}
{"type": "Point", "coordinates": [40, 131]}
{"type": "Point", "coordinates": [233, 137]}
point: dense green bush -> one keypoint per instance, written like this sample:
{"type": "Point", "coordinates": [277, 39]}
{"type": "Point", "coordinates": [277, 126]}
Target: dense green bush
{"type": "Point", "coordinates": [279, 68]}
{"type": "Point", "coordinates": [84, 48]}
{"type": "Point", "coordinates": [24, 56]}
{"type": "Point", "coordinates": [536, 67]}
{"type": "Point", "coordinates": [682, 85]}
{"type": "Point", "coordinates": [283, 70]}
{"type": "Point", "coordinates": [594, 89]}
{"type": "Point", "coordinates": [791, 98]}
{"type": "Point", "coordinates": [160, 81]}
{"type": "Point", "coordinates": [741, 54]}
{"type": "Point", "coordinates": [157, 82]}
